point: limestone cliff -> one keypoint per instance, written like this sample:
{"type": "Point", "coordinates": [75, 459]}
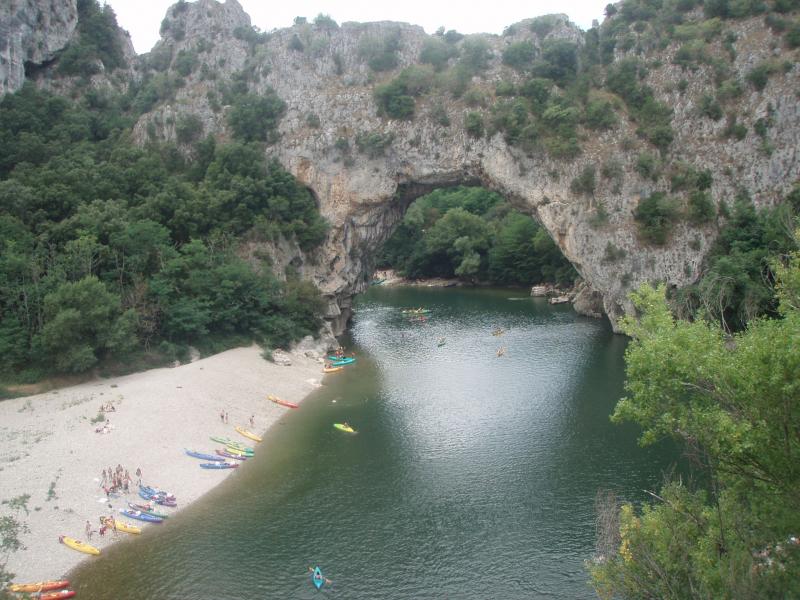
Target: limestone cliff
{"type": "Point", "coordinates": [364, 184]}
{"type": "Point", "coordinates": [32, 31]}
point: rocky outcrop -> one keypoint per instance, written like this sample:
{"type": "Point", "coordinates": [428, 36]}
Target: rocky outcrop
{"type": "Point", "coordinates": [32, 31]}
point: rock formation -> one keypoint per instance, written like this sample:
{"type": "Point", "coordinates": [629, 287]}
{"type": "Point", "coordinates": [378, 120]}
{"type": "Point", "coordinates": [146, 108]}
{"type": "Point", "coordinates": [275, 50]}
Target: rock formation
{"type": "Point", "coordinates": [320, 70]}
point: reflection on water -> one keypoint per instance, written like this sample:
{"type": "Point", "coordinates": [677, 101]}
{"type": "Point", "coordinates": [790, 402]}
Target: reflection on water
{"type": "Point", "coordinates": [471, 476]}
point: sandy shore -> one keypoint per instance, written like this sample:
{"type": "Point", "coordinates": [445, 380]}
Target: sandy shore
{"type": "Point", "coordinates": [49, 448]}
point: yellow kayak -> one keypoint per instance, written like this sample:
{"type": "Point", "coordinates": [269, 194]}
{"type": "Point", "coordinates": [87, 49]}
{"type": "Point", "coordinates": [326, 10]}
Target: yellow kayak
{"type": "Point", "coordinates": [247, 434]}
{"type": "Point", "coordinates": [332, 369]}
{"type": "Point", "coordinates": [78, 545]}
{"type": "Point", "coordinates": [238, 452]}
{"type": "Point", "coordinates": [123, 526]}
{"type": "Point", "coordinates": [344, 427]}
{"type": "Point", "coordinates": [42, 586]}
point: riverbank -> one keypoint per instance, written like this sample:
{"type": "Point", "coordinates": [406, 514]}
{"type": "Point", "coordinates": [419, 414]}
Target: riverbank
{"type": "Point", "coordinates": [50, 450]}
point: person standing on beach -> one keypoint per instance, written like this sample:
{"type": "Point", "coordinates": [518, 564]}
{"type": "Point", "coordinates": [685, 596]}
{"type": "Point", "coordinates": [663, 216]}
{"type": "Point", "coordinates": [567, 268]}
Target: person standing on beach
{"type": "Point", "coordinates": [252, 420]}
{"type": "Point", "coordinates": [226, 417]}
{"type": "Point", "coordinates": [222, 416]}
{"type": "Point", "coordinates": [105, 477]}
{"type": "Point", "coordinates": [88, 530]}
{"type": "Point", "coordinates": [139, 476]}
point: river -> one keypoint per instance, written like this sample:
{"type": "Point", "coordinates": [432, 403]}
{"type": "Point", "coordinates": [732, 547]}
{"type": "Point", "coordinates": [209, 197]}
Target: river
{"type": "Point", "coordinates": [472, 475]}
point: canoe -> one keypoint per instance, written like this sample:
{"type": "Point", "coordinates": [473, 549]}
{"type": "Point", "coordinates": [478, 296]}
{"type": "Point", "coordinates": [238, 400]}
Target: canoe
{"type": "Point", "coordinates": [282, 402]}
{"type": "Point", "coordinates": [42, 586]}
{"type": "Point", "coordinates": [78, 545]}
{"type": "Point", "coordinates": [157, 492]}
{"type": "Point", "coordinates": [343, 427]}
{"type": "Point", "coordinates": [162, 500]}
{"type": "Point", "coordinates": [226, 454]}
{"type": "Point", "coordinates": [341, 362]}
{"type": "Point", "coordinates": [148, 510]}
{"type": "Point", "coordinates": [242, 453]}
{"type": "Point", "coordinates": [219, 465]}
{"type": "Point", "coordinates": [332, 369]}
{"type": "Point", "coordinates": [124, 527]}
{"type": "Point", "coordinates": [57, 595]}
{"type": "Point", "coordinates": [232, 443]}
{"type": "Point", "coordinates": [137, 514]}
{"type": "Point", "coordinates": [317, 578]}
{"type": "Point", "coordinates": [195, 454]}
{"type": "Point", "coordinates": [247, 434]}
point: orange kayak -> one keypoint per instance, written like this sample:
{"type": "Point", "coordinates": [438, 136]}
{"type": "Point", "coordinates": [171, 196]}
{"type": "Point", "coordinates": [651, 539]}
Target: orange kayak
{"type": "Point", "coordinates": [42, 586]}
{"type": "Point", "coordinates": [282, 402]}
{"type": "Point", "coordinates": [57, 595]}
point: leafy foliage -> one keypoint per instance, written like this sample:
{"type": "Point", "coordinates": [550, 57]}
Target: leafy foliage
{"type": "Point", "coordinates": [471, 233]}
{"type": "Point", "coordinates": [731, 402]}
{"type": "Point", "coordinates": [255, 117]}
{"type": "Point", "coordinates": [98, 40]}
{"type": "Point", "coordinates": [107, 249]}
{"type": "Point", "coordinates": [656, 215]}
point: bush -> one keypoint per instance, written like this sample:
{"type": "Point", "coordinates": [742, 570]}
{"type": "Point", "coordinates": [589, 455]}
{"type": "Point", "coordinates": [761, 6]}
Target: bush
{"type": "Point", "coordinates": [475, 54]}
{"type": "Point", "coordinates": [188, 128]}
{"type": "Point", "coordinates": [381, 52]}
{"type": "Point", "coordinates": [325, 22]}
{"type": "Point", "coordinates": [655, 215]}
{"type": "Point", "coordinates": [700, 208]}
{"type": "Point", "coordinates": [519, 55]}
{"type": "Point", "coordinates": [585, 182]}
{"type": "Point", "coordinates": [600, 115]}
{"type": "Point", "coordinates": [709, 107]}
{"type": "Point", "coordinates": [648, 166]}
{"type": "Point", "coordinates": [759, 75]}
{"type": "Point", "coordinates": [255, 118]}
{"type": "Point", "coordinates": [373, 144]}
{"type": "Point", "coordinates": [437, 52]}
{"type": "Point", "coordinates": [473, 124]}
{"type": "Point", "coordinates": [559, 61]}
{"type": "Point", "coordinates": [792, 37]}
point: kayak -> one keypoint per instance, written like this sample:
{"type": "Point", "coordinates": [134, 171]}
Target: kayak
{"type": "Point", "coordinates": [232, 444]}
{"type": "Point", "coordinates": [42, 586]}
{"type": "Point", "coordinates": [137, 514]}
{"type": "Point", "coordinates": [317, 578]}
{"type": "Point", "coordinates": [219, 465]}
{"type": "Point", "coordinates": [344, 427]}
{"type": "Point", "coordinates": [195, 454]}
{"type": "Point", "coordinates": [158, 499]}
{"type": "Point", "coordinates": [123, 526]}
{"type": "Point", "coordinates": [57, 595]}
{"type": "Point", "coordinates": [237, 452]}
{"type": "Point", "coordinates": [79, 545]}
{"type": "Point", "coordinates": [416, 311]}
{"type": "Point", "coordinates": [340, 362]}
{"type": "Point", "coordinates": [157, 492]}
{"type": "Point", "coordinates": [148, 510]}
{"type": "Point", "coordinates": [226, 454]}
{"type": "Point", "coordinates": [282, 402]}
{"type": "Point", "coordinates": [332, 369]}
{"type": "Point", "coordinates": [247, 434]}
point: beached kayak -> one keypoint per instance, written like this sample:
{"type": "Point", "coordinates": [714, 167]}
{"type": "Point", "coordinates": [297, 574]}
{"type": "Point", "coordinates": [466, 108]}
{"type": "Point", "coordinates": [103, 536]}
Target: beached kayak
{"type": "Point", "coordinates": [232, 444]}
{"type": "Point", "coordinates": [57, 595]}
{"type": "Point", "coordinates": [341, 362]}
{"type": "Point", "coordinates": [78, 545]}
{"type": "Point", "coordinates": [148, 510]}
{"type": "Point", "coordinates": [332, 369]}
{"type": "Point", "coordinates": [42, 586]}
{"type": "Point", "coordinates": [282, 402]}
{"type": "Point", "coordinates": [158, 499]}
{"type": "Point", "coordinates": [247, 434]}
{"type": "Point", "coordinates": [157, 492]}
{"type": "Point", "coordinates": [219, 465]}
{"type": "Point", "coordinates": [344, 427]}
{"type": "Point", "coordinates": [226, 454]}
{"type": "Point", "coordinates": [137, 514]}
{"type": "Point", "coordinates": [195, 454]}
{"type": "Point", "coordinates": [237, 452]}
{"type": "Point", "coordinates": [123, 526]}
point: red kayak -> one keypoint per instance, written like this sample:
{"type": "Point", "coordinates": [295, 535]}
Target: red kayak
{"type": "Point", "coordinates": [285, 403]}
{"type": "Point", "coordinates": [57, 595]}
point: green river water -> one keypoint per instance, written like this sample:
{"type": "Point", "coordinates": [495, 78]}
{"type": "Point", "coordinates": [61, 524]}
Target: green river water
{"type": "Point", "coordinates": [472, 476]}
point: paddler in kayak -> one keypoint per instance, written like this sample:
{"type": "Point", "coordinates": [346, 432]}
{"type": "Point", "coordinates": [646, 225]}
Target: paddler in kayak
{"type": "Point", "coordinates": [325, 579]}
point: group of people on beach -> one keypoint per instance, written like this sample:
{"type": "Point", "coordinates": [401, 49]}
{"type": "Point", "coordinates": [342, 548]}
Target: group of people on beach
{"type": "Point", "coordinates": [119, 479]}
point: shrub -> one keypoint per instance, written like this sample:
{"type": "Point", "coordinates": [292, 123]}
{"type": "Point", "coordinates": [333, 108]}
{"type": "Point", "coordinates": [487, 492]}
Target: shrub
{"type": "Point", "coordinates": [612, 253]}
{"type": "Point", "coordinates": [758, 76]}
{"type": "Point", "coordinates": [648, 166]}
{"type": "Point", "coordinates": [519, 55]}
{"type": "Point", "coordinates": [396, 98]}
{"type": "Point", "coordinates": [475, 54]}
{"type": "Point", "coordinates": [600, 115]}
{"type": "Point", "coordinates": [700, 208]}
{"type": "Point", "coordinates": [255, 118]}
{"type": "Point", "coordinates": [381, 52]}
{"type": "Point", "coordinates": [559, 61]}
{"type": "Point", "coordinates": [188, 128]}
{"type": "Point", "coordinates": [373, 144]}
{"type": "Point", "coordinates": [325, 22]}
{"type": "Point", "coordinates": [296, 44]}
{"type": "Point", "coordinates": [585, 182]}
{"type": "Point", "coordinates": [709, 107]}
{"type": "Point", "coordinates": [473, 124]}
{"type": "Point", "coordinates": [505, 88]}
{"type": "Point", "coordinates": [655, 215]}
{"type": "Point", "coordinates": [185, 62]}
{"type": "Point", "coordinates": [792, 37]}
{"type": "Point", "coordinates": [312, 120]}
{"type": "Point", "coordinates": [734, 129]}
{"type": "Point", "coordinates": [437, 52]}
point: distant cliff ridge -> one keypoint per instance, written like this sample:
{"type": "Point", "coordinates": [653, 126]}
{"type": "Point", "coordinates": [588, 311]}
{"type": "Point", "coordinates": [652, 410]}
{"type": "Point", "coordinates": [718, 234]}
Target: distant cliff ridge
{"type": "Point", "coordinates": [626, 142]}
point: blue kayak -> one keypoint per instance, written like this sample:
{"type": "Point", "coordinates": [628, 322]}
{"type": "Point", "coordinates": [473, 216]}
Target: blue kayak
{"type": "Point", "coordinates": [211, 457]}
{"type": "Point", "coordinates": [340, 362]}
{"type": "Point", "coordinates": [219, 465]}
{"type": "Point", "coordinates": [137, 514]}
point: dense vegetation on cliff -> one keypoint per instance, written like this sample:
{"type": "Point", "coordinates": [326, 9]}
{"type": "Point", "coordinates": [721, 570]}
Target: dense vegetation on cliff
{"type": "Point", "coordinates": [474, 234]}
{"type": "Point", "coordinates": [109, 249]}
{"type": "Point", "coordinates": [732, 402]}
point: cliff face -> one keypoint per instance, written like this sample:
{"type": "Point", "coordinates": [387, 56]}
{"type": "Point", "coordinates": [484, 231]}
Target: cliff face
{"type": "Point", "coordinates": [321, 72]}
{"type": "Point", "coordinates": [32, 31]}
